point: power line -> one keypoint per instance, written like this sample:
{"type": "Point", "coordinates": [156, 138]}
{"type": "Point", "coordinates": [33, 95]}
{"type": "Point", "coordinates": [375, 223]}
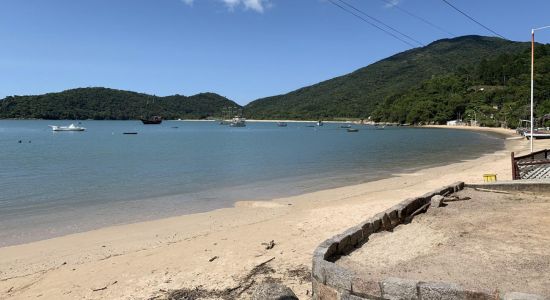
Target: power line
{"type": "Point", "coordinates": [375, 19]}
{"type": "Point", "coordinates": [372, 24]}
{"type": "Point", "coordinates": [418, 17]}
{"type": "Point", "coordinates": [467, 16]}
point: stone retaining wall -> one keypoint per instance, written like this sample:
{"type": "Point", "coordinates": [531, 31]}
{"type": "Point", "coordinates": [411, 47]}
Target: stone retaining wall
{"type": "Point", "coordinates": [531, 185]}
{"type": "Point", "coordinates": [333, 282]}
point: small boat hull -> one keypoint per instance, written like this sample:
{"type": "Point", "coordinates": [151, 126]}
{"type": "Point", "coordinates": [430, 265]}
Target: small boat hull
{"type": "Point", "coordinates": [238, 122]}
{"type": "Point", "coordinates": [537, 135]}
{"type": "Point", "coordinates": [71, 127]}
{"type": "Point", "coordinates": [155, 120]}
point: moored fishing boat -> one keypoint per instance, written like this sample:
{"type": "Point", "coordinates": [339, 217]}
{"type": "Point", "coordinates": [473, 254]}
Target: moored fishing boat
{"type": "Point", "coordinates": [153, 120]}
{"type": "Point", "coordinates": [537, 134]}
{"type": "Point", "coordinates": [71, 127]}
{"type": "Point", "coordinates": [238, 122]}
{"type": "Point", "coordinates": [282, 124]}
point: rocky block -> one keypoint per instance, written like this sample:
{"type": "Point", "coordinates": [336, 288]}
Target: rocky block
{"type": "Point", "coordinates": [273, 291]}
{"type": "Point", "coordinates": [436, 201]}
{"type": "Point", "coordinates": [356, 236]}
{"type": "Point", "coordinates": [386, 222]}
{"type": "Point", "coordinates": [326, 249]}
{"type": "Point", "coordinates": [411, 205]}
{"type": "Point", "coordinates": [368, 229]}
{"type": "Point", "coordinates": [323, 292]}
{"type": "Point", "coordinates": [394, 213]}
{"type": "Point", "coordinates": [399, 289]}
{"type": "Point", "coordinates": [379, 217]}
{"type": "Point", "coordinates": [338, 277]}
{"type": "Point", "coordinates": [440, 290]}
{"type": "Point", "coordinates": [424, 199]}
{"type": "Point", "coordinates": [348, 296]}
{"type": "Point", "coordinates": [344, 243]}
{"type": "Point", "coordinates": [318, 269]}
{"type": "Point", "coordinates": [376, 223]}
{"type": "Point", "coordinates": [458, 186]}
{"type": "Point", "coordinates": [366, 288]}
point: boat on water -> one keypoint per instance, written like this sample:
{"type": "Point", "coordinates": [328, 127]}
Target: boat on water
{"type": "Point", "coordinates": [352, 130]}
{"type": "Point", "coordinates": [238, 122]}
{"type": "Point", "coordinates": [153, 120]}
{"type": "Point", "coordinates": [537, 134]}
{"type": "Point", "coordinates": [71, 127]}
{"type": "Point", "coordinates": [319, 123]}
{"type": "Point", "coordinates": [377, 127]}
{"type": "Point", "coordinates": [346, 126]}
{"type": "Point", "coordinates": [282, 124]}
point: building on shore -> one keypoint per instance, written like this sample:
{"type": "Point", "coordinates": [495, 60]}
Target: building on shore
{"type": "Point", "coordinates": [455, 123]}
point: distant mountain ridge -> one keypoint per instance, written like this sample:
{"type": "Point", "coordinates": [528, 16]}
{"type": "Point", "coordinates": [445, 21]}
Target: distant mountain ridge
{"type": "Point", "coordinates": [357, 94]}
{"type": "Point", "coordinates": [111, 104]}
{"type": "Point", "coordinates": [420, 80]}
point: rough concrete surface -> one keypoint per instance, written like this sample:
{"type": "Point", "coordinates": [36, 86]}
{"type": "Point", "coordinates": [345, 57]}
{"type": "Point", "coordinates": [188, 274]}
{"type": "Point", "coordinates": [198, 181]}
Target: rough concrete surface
{"type": "Point", "coordinates": [493, 241]}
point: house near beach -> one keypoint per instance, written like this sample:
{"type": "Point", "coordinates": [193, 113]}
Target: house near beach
{"type": "Point", "coordinates": [455, 123]}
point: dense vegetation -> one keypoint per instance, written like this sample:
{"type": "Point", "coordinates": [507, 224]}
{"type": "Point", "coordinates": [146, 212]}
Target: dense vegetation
{"type": "Point", "coordinates": [494, 92]}
{"type": "Point", "coordinates": [110, 104]}
{"type": "Point", "coordinates": [359, 94]}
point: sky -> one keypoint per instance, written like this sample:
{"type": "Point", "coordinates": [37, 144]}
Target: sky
{"type": "Point", "coordinates": [240, 49]}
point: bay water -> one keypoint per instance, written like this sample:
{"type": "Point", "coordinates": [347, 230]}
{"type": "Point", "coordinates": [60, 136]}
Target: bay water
{"type": "Point", "coordinates": [55, 183]}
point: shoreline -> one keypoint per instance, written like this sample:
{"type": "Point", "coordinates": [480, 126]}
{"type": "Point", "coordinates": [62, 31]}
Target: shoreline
{"type": "Point", "coordinates": [365, 178]}
{"type": "Point", "coordinates": [174, 252]}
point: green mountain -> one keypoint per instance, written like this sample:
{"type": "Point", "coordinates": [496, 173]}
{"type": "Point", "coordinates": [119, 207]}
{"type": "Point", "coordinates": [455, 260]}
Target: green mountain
{"type": "Point", "coordinates": [358, 94]}
{"type": "Point", "coordinates": [495, 92]}
{"type": "Point", "coordinates": [109, 104]}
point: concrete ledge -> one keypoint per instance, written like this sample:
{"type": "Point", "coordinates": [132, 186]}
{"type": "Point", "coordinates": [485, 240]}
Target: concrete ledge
{"type": "Point", "coordinates": [333, 282]}
{"type": "Point", "coordinates": [539, 185]}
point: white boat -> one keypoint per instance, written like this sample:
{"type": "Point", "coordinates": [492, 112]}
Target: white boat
{"type": "Point", "coordinates": [238, 122]}
{"type": "Point", "coordinates": [319, 123]}
{"type": "Point", "coordinates": [537, 134]}
{"type": "Point", "coordinates": [71, 127]}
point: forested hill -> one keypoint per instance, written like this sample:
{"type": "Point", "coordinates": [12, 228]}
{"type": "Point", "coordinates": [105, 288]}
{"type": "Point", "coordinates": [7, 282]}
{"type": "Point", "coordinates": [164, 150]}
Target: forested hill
{"type": "Point", "coordinates": [359, 93]}
{"type": "Point", "coordinates": [109, 104]}
{"type": "Point", "coordinates": [495, 92]}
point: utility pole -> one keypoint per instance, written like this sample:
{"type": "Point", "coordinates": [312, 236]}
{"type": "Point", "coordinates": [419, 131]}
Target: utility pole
{"type": "Point", "coordinates": [533, 79]}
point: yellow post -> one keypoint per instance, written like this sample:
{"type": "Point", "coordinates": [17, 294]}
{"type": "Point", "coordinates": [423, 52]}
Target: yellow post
{"type": "Point", "coordinates": [489, 177]}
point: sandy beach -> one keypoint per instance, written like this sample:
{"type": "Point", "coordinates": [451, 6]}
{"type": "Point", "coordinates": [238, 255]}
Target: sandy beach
{"type": "Point", "coordinates": [218, 249]}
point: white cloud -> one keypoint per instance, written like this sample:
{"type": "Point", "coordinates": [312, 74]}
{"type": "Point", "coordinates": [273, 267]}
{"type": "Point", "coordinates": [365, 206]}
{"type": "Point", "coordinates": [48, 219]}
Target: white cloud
{"type": "Point", "coordinates": [255, 5]}
{"type": "Point", "coordinates": [231, 4]}
{"type": "Point", "coordinates": [391, 3]}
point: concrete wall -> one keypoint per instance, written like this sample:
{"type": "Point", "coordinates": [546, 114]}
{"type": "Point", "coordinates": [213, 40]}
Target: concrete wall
{"type": "Point", "coordinates": [333, 282]}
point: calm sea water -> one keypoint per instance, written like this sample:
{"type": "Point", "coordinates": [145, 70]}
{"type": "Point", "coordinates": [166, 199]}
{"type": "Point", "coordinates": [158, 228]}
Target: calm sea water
{"type": "Point", "coordinates": [57, 183]}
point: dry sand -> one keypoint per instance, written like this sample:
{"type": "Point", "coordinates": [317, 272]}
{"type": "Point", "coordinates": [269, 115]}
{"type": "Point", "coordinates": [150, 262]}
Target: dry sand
{"type": "Point", "coordinates": [138, 261]}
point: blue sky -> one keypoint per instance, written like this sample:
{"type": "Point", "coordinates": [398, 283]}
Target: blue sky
{"type": "Point", "coordinates": [241, 49]}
